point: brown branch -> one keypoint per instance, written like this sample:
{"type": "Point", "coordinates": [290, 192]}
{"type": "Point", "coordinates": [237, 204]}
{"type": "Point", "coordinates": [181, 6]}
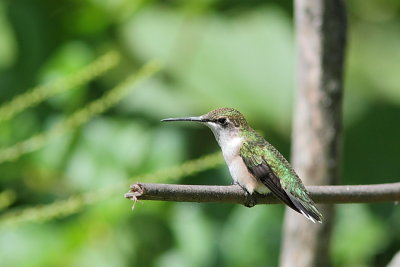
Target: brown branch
{"type": "Point", "coordinates": [317, 123]}
{"type": "Point", "coordinates": [235, 194]}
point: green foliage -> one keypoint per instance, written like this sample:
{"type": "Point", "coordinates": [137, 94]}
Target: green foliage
{"type": "Point", "coordinates": [73, 121]}
{"type": "Point", "coordinates": [353, 227]}
{"type": "Point", "coordinates": [73, 204]}
{"type": "Point", "coordinates": [7, 197]}
{"type": "Point", "coordinates": [70, 147]}
{"type": "Point", "coordinates": [41, 93]}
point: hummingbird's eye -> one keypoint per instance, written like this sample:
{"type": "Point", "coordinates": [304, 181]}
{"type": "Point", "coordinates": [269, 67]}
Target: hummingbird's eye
{"type": "Point", "coordinates": [222, 121]}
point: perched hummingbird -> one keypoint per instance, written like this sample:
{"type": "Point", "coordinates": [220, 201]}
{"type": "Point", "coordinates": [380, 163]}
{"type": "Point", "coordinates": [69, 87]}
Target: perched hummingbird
{"type": "Point", "coordinates": [254, 163]}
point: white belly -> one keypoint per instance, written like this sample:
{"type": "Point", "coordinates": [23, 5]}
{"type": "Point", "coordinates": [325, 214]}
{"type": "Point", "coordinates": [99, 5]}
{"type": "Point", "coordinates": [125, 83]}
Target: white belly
{"type": "Point", "coordinates": [243, 177]}
{"type": "Point", "coordinates": [238, 169]}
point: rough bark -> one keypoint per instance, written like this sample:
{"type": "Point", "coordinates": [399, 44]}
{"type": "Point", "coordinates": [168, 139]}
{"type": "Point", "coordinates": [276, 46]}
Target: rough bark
{"type": "Point", "coordinates": [321, 30]}
{"type": "Point", "coordinates": [235, 194]}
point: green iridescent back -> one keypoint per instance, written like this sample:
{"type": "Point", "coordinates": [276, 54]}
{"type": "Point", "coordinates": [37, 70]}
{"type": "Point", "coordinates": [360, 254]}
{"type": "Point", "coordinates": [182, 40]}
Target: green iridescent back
{"type": "Point", "coordinates": [260, 150]}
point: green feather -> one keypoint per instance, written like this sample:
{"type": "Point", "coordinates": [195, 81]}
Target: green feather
{"type": "Point", "coordinates": [256, 151]}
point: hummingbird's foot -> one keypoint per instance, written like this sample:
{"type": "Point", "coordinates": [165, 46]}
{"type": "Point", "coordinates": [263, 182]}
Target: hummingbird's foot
{"type": "Point", "coordinates": [251, 199]}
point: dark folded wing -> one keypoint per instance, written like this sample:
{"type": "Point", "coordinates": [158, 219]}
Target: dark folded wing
{"type": "Point", "coordinates": [255, 159]}
{"type": "Point", "coordinates": [264, 173]}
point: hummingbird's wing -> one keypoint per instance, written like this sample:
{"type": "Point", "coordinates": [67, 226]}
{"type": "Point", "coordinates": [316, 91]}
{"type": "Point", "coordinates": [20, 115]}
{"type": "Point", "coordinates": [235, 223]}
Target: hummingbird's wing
{"type": "Point", "coordinates": [273, 170]}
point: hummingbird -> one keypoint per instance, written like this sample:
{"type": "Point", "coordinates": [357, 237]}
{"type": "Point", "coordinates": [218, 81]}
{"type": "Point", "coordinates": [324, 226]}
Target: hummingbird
{"type": "Point", "coordinates": [254, 164]}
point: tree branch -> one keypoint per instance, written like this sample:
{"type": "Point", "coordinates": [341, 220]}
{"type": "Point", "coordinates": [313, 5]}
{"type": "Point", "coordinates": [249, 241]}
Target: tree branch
{"type": "Point", "coordinates": [317, 123]}
{"type": "Point", "coordinates": [235, 194]}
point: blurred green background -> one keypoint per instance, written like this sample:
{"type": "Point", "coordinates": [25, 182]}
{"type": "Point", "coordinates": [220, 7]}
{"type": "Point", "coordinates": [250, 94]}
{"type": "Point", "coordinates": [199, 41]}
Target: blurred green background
{"type": "Point", "coordinates": [61, 192]}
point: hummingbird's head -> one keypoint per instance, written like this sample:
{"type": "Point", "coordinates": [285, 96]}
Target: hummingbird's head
{"type": "Point", "coordinates": [226, 118]}
{"type": "Point", "coordinates": [223, 122]}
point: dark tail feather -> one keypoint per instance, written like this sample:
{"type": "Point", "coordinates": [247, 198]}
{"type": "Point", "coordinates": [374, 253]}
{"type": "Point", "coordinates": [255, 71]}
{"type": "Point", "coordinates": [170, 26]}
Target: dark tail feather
{"type": "Point", "coordinates": [308, 210]}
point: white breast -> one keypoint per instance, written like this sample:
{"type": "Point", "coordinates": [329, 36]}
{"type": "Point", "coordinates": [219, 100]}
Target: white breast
{"type": "Point", "coordinates": [237, 168]}
{"type": "Point", "coordinates": [230, 148]}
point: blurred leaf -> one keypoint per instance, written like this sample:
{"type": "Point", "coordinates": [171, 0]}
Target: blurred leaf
{"type": "Point", "coordinates": [357, 236]}
{"type": "Point", "coordinates": [222, 63]}
{"type": "Point", "coordinates": [80, 116]}
{"type": "Point", "coordinates": [7, 197]}
{"type": "Point", "coordinates": [69, 58]}
{"type": "Point", "coordinates": [158, 101]}
{"type": "Point", "coordinates": [8, 51]}
{"type": "Point", "coordinates": [106, 152]}
{"type": "Point", "coordinates": [373, 64]}
{"type": "Point", "coordinates": [195, 236]}
{"type": "Point", "coordinates": [251, 237]}
{"type": "Point", "coordinates": [89, 19]}
{"type": "Point", "coordinates": [41, 93]}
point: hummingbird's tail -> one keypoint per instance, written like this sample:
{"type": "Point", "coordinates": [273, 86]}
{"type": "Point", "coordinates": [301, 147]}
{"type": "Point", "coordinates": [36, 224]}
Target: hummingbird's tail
{"type": "Point", "coordinates": [308, 209]}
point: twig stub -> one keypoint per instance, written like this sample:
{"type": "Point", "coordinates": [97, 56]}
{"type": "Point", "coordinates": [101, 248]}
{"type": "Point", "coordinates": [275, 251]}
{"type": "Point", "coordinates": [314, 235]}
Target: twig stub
{"type": "Point", "coordinates": [135, 191]}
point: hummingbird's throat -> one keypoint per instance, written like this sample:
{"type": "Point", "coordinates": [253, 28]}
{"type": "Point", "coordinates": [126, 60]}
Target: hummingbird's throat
{"type": "Point", "coordinates": [224, 136]}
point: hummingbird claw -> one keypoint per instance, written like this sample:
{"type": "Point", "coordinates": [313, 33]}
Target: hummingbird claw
{"type": "Point", "coordinates": [251, 199]}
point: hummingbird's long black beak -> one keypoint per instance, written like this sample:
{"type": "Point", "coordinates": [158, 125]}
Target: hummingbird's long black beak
{"type": "Point", "coordinates": [198, 119]}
